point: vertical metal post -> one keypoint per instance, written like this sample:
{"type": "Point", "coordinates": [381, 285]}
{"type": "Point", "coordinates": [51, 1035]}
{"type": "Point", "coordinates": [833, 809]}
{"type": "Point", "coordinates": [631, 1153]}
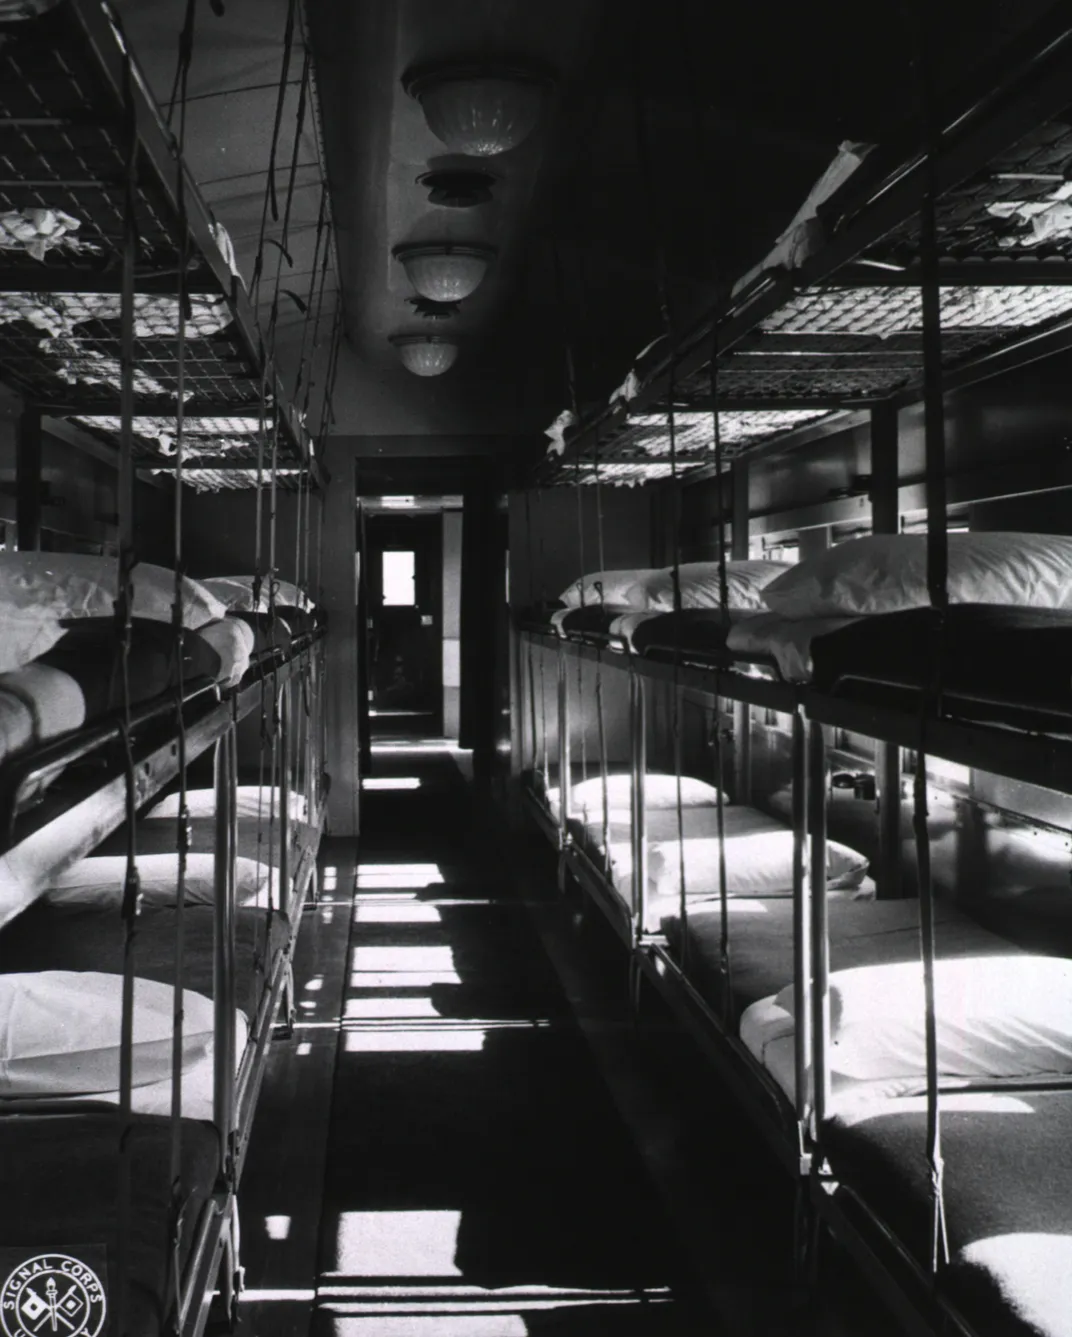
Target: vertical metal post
{"type": "Point", "coordinates": [742, 712]}
{"type": "Point", "coordinates": [565, 774]}
{"type": "Point", "coordinates": [885, 519]}
{"type": "Point", "coordinates": [28, 485]}
{"type": "Point", "coordinates": [517, 708]}
{"type": "Point", "coordinates": [638, 806]}
{"type": "Point", "coordinates": [820, 942]}
{"type": "Point", "coordinates": [933, 395]}
{"type": "Point", "coordinates": [286, 891]}
{"type": "Point", "coordinates": [223, 961]}
{"type": "Point", "coordinates": [802, 912]}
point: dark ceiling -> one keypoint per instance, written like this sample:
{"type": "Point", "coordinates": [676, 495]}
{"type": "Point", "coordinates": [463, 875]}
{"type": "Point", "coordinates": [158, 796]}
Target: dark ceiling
{"type": "Point", "coordinates": [682, 138]}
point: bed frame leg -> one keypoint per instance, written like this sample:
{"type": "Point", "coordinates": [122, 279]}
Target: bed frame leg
{"type": "Point", "coordinates": [636, 988]}
{"type": "Point", "coordinates": [284, 1029]}
{"type": "Point", "coordinates": [806, 1233]}
{"type": "Point", "coordinates": [231, 1282]}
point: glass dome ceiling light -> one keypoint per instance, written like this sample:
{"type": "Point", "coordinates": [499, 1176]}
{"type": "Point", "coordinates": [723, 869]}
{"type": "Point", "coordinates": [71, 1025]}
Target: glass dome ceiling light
{"type": "Point", "coordinates": [425, 354]}
{"type": "Point", "coordinates": [445, 271]}
{"type": "Point", "coordinates": [480, 108]}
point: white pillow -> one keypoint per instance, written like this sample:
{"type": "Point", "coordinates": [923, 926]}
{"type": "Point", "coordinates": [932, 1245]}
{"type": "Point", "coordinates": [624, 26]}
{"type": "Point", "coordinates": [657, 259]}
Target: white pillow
{"type": "Point", "coordinates": [887, 573]}
{"type": "Point", "coordinates": [701, 586]}
{"type": "Point", "coordinates": [660, 791]}
{"type": "Point", "coordinates": [251, 801]}
{"type": "Point", "coordinates": [47, 586]}
{"type": "Point", "coordinates": [233, 641]}
{"type": "Point", "coordinates": [621, 589]}
{"type": "Point", "coordinates": [997, 1016]}
{"type": "Point", "coordinates": [236, 592]}
{"type": "Point", "coordinates": [759, 859]}
{"type": "Point", "coordinates": [98, 881]}
{"type": "Point", "coordinates": [28, 633]}
{"type": "Point", "coordinates": [60, 1032]}
{"type": "Point", "coordinates": [53, 698]}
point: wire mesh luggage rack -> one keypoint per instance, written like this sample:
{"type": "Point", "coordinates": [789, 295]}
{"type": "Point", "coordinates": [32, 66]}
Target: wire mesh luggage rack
{"type": "Point", "coordinates": [843, 332]}
{"type": "Point", "coordinates": [78, 130]}
{"type": "Point", "coordinates": [96, 205]}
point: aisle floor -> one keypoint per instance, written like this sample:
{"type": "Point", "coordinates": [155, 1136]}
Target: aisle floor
{"type": "Point", "coordinates": [435, 1151]}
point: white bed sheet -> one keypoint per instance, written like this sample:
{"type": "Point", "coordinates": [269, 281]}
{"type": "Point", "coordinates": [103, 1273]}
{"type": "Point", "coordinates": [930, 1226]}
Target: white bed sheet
{"type": "Point", "coordinates": [198, 1085]}
{"type": "Point", "coordinates": [768, 1032]}
{"type": "Point", "coordinates": [752, 839]}
{"type": "Point", "coordinates": [785, 640]}
{"type": "Point", "coordinates": [251, 801]}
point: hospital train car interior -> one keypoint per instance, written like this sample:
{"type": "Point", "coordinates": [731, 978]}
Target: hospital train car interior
{"type": "Point", "coordinates": [535, 668]}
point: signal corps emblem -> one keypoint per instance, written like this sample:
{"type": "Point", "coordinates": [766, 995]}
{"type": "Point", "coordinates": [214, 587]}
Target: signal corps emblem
{"type": "Point", "coordinates": [52, 1295]}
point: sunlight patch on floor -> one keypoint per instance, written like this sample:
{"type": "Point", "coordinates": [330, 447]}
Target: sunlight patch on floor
{"type": "Point", "coordinates": [415, 913]}
{"type": "Point", "coordinates": [398, 875]}
{"type": "Point", "coordinates": [398, 1244]}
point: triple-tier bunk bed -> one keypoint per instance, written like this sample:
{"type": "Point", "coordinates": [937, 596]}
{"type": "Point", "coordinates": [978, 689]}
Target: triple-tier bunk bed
{"type": "Point", "coordinates": [902, 1035]}
{"type": "Point", "coordinates": [161, 787]}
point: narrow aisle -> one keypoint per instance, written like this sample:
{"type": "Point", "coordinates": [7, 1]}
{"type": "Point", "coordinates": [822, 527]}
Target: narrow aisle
{"type": "Point", "coordinates": [478, 1179]}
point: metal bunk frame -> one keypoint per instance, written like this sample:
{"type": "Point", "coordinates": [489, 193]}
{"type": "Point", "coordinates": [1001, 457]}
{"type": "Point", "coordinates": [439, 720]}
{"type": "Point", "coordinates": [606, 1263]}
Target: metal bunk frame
{"type": "Point", "coordinates": [79, 132]}
{"type": "Point", "coordinates": [83, 60]}
{"type": "Point", "coordinates": [76, 831]}
{"type": "Point", "coordinates": [871, 243]}
{"type": "Point", "coordinates": [874, 210]}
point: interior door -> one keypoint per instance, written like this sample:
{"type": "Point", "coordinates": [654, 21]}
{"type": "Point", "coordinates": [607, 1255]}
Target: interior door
{"type": "Point", "coordinates": [405, 596]}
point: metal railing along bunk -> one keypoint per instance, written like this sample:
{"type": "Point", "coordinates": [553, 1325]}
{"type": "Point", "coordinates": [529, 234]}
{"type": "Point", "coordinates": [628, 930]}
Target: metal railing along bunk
{"type": "Point", "coordinates": [954, 149]}
{"type": "Point", "coordinates": [158, 741]}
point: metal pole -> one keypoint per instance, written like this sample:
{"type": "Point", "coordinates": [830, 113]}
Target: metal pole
{"type": "Point", "coordinates": [639, 760]}
{"type": "Point", "coordinates": [742, 713]}
{"type": "Point", "coordinates": [885, 519]}
{"type": "Point", "coordinates": [820, 943]}
{"type": "Point", "coordinates": [802, 912]}
{"type": "Point", "coordinates": [286, 891]}
{"type": "Point", "coordinates": [565, 778]}
{"type": "Point", "coordinates": [223, 973]}
{"type": "Point", "coordinates": [28, 484]}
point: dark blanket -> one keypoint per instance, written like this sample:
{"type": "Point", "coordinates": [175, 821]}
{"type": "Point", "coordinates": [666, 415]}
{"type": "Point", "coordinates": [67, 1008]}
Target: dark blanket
{"type": "Point", "coordinates": [88, 651]}
{"type": "Point", "coordinates": [588, 620]}
{"type": "Point", "coordinates": [1019, 660]}
{"type": "Point", "coordinates": [59, 1183]}
{"type": "Point", "coordinates": [268, 633]}
{"type": "Point", "coordinates": [48, 937]}
{"type": "Point", "coordinates": [699, 633]}
{"type": "Point", "coordinates": [1008, 1197]}
{"type": "Point", "coordinates": [861, 933]}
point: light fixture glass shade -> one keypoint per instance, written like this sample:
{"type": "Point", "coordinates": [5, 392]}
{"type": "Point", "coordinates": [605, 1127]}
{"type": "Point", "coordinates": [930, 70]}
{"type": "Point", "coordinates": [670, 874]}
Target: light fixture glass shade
{"type": "Point", "coordinates": [444, 272]}
{"type": "Point", "coordinates": [480, 110]}
{"type": "Point", "coordinates": [425, 354]}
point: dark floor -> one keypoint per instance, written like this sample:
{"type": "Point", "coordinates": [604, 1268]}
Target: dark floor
{"type": "Point", "coordinates": [468, 1135]}
{"type": "Point", "coordinates": [477, 1178]}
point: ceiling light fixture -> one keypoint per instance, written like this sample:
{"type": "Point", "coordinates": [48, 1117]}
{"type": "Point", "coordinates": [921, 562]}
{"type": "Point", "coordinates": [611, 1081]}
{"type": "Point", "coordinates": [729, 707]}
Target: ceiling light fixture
{"type": "Point", "coordinates": [443, 271]}
{"type": "Point", "coordinates": [433, 310]}
{"type": "Point", "coordinates": [480, 108]}
{"type": "Point", "coordinates": [425, 354]}
{"type": "Point", "coordinates": [460, 188]}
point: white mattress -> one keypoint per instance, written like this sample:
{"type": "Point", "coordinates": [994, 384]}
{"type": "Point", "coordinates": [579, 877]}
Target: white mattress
{"type": "Point", "coordinates": [624, 626]}
{"type": "Point", "coordinates": [198, 1085]}
{"type": "Point", "coordinates": [251, 801]}
{"type": "Point", "coordinates": [768, 1032]}
{"type": "Point", "coordinates": [751, 839]}
{"type": "Point", "coordinates": [785, 640]}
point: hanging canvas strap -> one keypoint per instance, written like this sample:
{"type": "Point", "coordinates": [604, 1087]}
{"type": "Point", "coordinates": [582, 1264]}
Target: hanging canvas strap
{"type": "Point", "coordinates": [937, 584]}
{"type": "Point", "coordinates": [182, 833]}
{"type": "Point", "coordinates": [939, 1240]}
{"type": "Point", "coordinates": [724, 961]}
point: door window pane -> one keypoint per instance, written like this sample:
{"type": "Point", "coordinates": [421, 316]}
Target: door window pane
{"type": "Point", "coordinates": [399, 586]}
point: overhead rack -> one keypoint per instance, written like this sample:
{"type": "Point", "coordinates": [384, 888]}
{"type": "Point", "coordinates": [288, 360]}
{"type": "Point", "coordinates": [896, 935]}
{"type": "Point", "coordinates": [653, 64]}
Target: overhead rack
{"type": "Point", "coordinates": [844, 331]}
{"type": "Point", "coordinates": [78, 128]}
